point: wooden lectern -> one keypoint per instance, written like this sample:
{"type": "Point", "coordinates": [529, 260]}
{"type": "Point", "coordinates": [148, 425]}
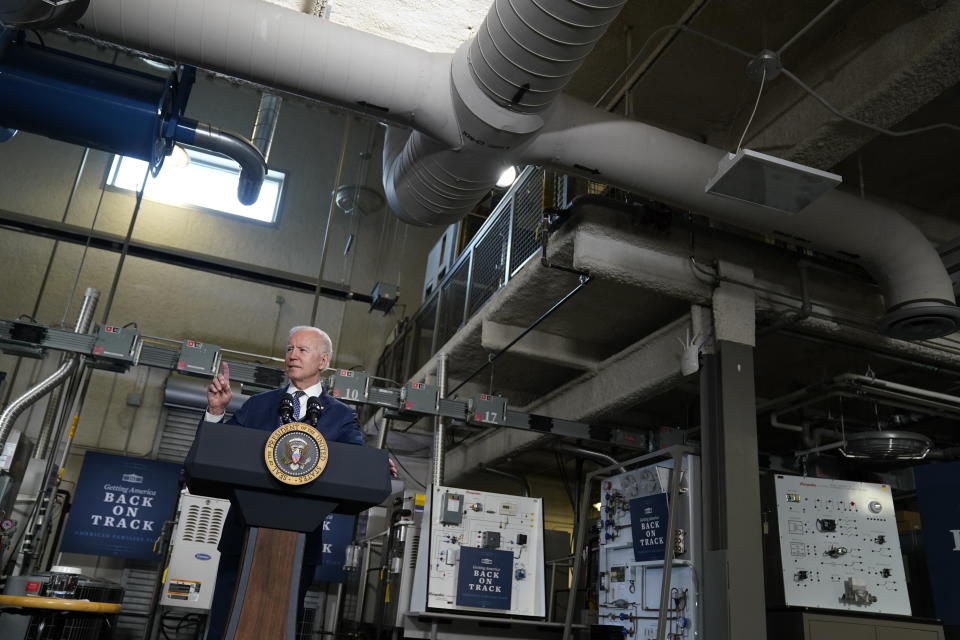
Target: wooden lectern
{"type": "Point", "coordinates": [228, 461]}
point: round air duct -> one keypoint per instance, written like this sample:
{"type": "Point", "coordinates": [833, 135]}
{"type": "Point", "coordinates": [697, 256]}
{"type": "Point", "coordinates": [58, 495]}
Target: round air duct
{"type": "Point", "coordinates": [921, 321]}
{"type": "Point", "coordinates": [886, 445]}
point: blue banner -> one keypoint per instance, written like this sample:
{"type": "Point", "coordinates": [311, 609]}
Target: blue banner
{"type": "Point", "coordinates": [648, 523]}
{"type": "Point", "coordinates": [938, 493]}
{"type": "Point", "coordinates": [120, 506]}
{"type": "Point", "coordinates": [485, 579]}
{"type": "Point", "coordinates": [337, 534]}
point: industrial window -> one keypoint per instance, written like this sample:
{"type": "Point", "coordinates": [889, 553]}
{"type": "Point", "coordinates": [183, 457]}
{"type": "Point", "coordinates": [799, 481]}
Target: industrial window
{"type": "Point", "coordinates": [208, 182]}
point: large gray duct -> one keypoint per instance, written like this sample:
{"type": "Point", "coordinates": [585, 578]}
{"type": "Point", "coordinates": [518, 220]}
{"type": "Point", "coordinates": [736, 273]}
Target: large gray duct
{"type": "Point", "coordinates": [45, 386]}
{"type": "Point", "coordinates": [917, 291]}
{"type": "Point", "coordinates": [493, 103]}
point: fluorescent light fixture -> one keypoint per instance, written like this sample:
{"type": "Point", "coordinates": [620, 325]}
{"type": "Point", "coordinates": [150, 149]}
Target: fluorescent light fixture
{"type": "Point", "coordinates": [507, 178]}
{"type": "Point", "coordinates": [750, 176]}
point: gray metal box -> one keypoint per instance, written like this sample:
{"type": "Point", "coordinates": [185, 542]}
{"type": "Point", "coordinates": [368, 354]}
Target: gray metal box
{"type": "Point", "coordinates": [199, 358]}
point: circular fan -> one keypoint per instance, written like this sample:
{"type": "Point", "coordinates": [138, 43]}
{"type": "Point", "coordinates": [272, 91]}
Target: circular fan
{"type": "Point", "coordinates": [886, 445]}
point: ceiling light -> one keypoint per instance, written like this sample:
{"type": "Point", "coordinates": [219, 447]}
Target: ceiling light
{"type": "Point", "coordinates": [507, 178]}
{"type": "Point", "coordinates": [771, 182]}
{"type": "Point", "coordinates": [178, 158]}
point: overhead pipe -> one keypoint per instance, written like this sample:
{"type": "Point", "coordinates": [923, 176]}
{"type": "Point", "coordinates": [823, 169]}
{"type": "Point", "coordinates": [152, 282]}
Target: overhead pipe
{"type": "Point", "coordinates": [265, 125]}
{"type": "Point", "coordinates": [463, 133]}
{"type": "Point", "coordinates": [253, 167]}
{"type": "Point", "coordinates": [608, 148]}
{"type": "Point", "coordinates": [42, 388]}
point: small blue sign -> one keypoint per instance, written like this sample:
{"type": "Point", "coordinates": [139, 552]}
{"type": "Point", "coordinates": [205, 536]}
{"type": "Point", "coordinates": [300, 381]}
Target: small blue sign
{"type": "Point", "coordinates": [485, 579]}
{"type": "Point", "coordinates": [938, 488]}
{"type": "Point", "coordinates": [336, 536]}
{"type": "Point", "coordinates": [648, 523]}
{"type": "Point", "coordinates": [120, 506]}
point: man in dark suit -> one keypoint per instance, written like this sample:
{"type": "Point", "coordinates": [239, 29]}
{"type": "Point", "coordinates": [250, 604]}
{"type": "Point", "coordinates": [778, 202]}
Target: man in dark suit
{"type": "Point", "coordinates": [308, 355]}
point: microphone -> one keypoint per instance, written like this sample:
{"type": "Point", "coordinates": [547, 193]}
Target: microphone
{"type": "Point", "coordinates": [312, 414]}
{"type": "Point", "coordinates": [285, 409]}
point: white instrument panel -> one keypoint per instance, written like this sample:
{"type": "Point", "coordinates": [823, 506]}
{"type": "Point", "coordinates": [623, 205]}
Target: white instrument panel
{"type": "Point", "coordinates": [839, 546]}
{"type": "Point", "coordinates": [485, 553]}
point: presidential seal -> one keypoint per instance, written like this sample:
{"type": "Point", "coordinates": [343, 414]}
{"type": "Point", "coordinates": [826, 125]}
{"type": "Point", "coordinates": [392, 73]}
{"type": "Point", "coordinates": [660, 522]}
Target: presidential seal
{"type": "Point", "coordinates": [295, 453]}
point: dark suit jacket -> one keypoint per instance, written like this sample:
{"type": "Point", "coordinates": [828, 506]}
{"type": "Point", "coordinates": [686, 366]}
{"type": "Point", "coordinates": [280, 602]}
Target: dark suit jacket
{"type": "Point", "coordinates": [337, 423]}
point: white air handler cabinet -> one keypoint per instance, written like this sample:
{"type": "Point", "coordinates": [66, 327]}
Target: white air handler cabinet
{"type": "Point", "coordinates": [833, 544]}
{"type": "Point", "coordinates": [483, 555]}
{"type": "Point", "coordinates": [633, 527]}
{"type": "Point", "coordinates": [192, 570]}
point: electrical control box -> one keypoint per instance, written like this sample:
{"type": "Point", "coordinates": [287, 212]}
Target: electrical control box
{"type": "Point", "coordinates": [192, 570]}
{"type": "Point", "coordinates": [420, 397]}
{"type": "Point", "coordinates": [349, 386]}
{"type": "Point", "coordinates": [833, 544]}
{"type": "Point", "coordinates": [199, 358]}
{"type": "Point", "coordinates": [116, 347]}
{"type": "Point", "coordinates": [634, 514]}
{"type": "Point", "coordinates": [481, 553]}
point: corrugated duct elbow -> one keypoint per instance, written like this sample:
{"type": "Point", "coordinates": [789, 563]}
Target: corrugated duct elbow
{"type": "Point", "coordinates": [524, 53]}
{"type": "Point", "coordinates": [519, 61]}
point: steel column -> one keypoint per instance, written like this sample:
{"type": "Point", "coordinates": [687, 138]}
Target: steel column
{"type": "Point", "coordinates": [733, 574]}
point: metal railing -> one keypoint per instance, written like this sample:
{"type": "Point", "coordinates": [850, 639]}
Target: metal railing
{"type": "Point", "coordinates": [505, 242]}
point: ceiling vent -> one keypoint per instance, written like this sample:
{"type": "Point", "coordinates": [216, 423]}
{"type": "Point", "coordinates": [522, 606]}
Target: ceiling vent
{"type": "Point", "coordinates": [921, 321]}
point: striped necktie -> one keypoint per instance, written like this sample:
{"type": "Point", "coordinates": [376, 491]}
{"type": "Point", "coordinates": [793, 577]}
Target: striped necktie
{"type": "Point", "coordinates": [296, 404]}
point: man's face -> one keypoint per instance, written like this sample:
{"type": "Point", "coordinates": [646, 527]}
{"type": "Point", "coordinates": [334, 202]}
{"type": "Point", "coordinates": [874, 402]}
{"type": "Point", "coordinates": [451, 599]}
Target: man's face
{"type": "Point", "coordinates": [305, 359]}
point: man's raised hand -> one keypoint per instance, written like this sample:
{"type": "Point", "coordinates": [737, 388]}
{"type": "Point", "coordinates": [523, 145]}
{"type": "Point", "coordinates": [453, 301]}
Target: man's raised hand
{"type": "Point", "coordinates": [219, 393]}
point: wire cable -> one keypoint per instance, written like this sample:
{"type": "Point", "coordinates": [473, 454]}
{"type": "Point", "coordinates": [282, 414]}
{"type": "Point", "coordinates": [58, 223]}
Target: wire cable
{"type": "Point", "coordinates": [400, 464]}
{"type": "Point", "coordinates": [763, 79]}
{"type": "Point", "coordinates": [670, 27]}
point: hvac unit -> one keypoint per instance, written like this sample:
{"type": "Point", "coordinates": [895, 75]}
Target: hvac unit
{"type": "Point", "coordinates": [192, 569]}
{"type": "Point", "coordinates": [64, 583]}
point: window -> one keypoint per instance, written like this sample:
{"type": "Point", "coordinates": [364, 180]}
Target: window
{"type": "Point", "coordinates": [208, 182]}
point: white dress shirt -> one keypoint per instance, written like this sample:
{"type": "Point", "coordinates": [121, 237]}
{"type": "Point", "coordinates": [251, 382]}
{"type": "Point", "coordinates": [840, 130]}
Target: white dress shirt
{"type": "Point", "coordinates": [310, 392]}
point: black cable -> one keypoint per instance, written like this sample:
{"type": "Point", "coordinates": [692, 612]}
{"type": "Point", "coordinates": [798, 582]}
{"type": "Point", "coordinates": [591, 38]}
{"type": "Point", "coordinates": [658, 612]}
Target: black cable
{"type": "Point", "coordinates": [584, 281]}
{"type": "Point", "coordinates": [40, 38]}
{"type": "Point", "coordinates": [400, 464]}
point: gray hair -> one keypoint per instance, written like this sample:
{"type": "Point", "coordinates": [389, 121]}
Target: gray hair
{"type": "Point", "coordinates": [325, 342]}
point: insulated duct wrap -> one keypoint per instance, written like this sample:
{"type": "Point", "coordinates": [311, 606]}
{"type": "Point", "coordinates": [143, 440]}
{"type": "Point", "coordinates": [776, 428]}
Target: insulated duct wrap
{"type": "Point", "coordinates": [640, 158]}
{"type": "Point", "coordinates": [524, 53]}
{"type": "Point", "coordinates": [427, 184]}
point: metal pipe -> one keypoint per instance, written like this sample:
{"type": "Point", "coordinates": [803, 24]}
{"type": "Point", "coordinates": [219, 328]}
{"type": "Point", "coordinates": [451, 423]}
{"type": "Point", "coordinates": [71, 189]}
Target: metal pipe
{"type": "Point", "coordinates": [590, 454]}
{"type": "Point", "coordinates": [440, 425]}
{"type": "Point", "coordinates": [265, 125]}
{"type": "Point", "coordinates": [42, 388]}
{"type": "Point", "coordinates": [253, 168]}
{"type": "Point", "coordinates": [669, 547]}
{"type": "Point", "coordinates": [331, 209]}
{"type": "Point", "coordinates": [521, 480]}
{"type": "Point", "coordinates": [384, 431]}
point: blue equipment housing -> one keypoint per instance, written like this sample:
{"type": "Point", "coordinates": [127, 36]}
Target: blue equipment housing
{"type": "Point", "coordinates": [86, 102]}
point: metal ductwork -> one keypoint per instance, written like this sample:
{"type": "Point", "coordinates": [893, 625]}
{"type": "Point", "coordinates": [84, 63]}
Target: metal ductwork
{"type": "Point", "coordinates": [45, 386]}
{"type": "Point", "coordinates": [41, 14]}
{"type": "Point", "coordinates": [106, 107]}
{"type": "Point", "coordinates": [495, 103]}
